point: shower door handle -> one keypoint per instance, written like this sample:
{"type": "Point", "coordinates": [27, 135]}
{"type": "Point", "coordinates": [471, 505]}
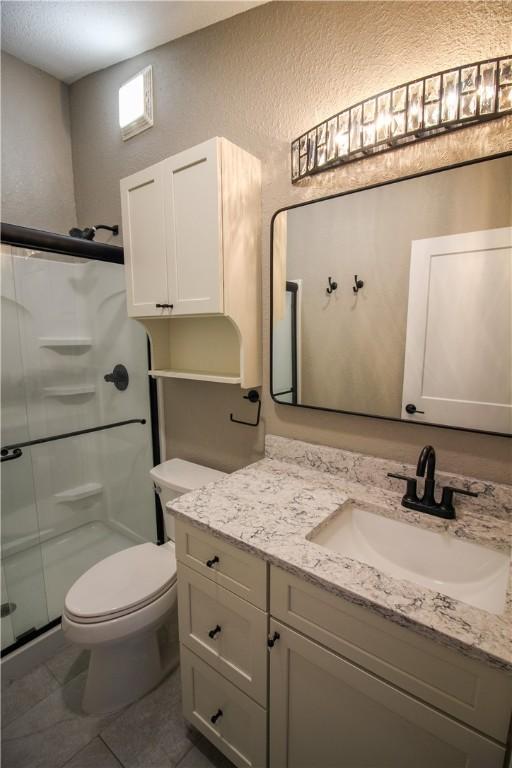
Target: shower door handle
{"type": "Point", "coordinates": [7, 455]}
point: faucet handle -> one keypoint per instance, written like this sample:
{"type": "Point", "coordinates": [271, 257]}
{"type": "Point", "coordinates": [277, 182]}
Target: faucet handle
{"type": "Point", "coordinates": [449, 490]}
{"type": "Point", "coordinates": [410, 493]}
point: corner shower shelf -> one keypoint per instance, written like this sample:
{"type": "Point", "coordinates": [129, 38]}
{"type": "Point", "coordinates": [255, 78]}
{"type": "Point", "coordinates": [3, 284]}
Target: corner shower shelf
{"type": "Point", "coordinates": [69, 391]}
{"type": "Point", "coordinates": [219, 378]}
{"type": "Point", "coordinates": [69, 342]}
{"type": "Point", "coordinates": [78, 493]}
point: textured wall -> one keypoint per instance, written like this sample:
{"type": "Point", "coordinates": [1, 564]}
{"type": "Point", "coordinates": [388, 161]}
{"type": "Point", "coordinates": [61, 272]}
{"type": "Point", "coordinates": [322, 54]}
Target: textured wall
{"type": "Point", "coordinates": [260, 79]}
{"type": "Point", "coordinates": [37, 174]}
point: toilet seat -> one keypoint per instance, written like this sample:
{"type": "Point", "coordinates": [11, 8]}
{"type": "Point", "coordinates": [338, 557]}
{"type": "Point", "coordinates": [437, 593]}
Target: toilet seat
{"type": "Point", "coordinates": [122, 584]}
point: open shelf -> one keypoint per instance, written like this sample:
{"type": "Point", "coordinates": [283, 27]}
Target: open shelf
{"type": "Point", "coordinates": [66, 342]}
{"type": "Point", "coordinates": [198, 348]}
{"type": "Point", "coordinates": [69, 391]}
{"type": "Point", "coordinates": [220, 378]}
{"type": "Point", "coordinates": [78, 493]}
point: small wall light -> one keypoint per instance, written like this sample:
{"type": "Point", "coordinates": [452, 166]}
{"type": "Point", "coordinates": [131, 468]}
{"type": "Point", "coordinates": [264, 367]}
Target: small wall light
{"type": "Point", "coordinates": [136, 104]}
{"type": "Point", "coordinates": [409, 112]}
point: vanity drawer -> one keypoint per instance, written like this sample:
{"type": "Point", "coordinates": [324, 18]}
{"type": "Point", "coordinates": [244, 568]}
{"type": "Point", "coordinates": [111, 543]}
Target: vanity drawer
{"type": "Point", "coordinates": [230, 567]}
{"type": "Point", "coordinates": [466, 689]}
{"type": "Point", "coordinates": [238, 649]}
{"type": "Point", "coordinates": [240, 732]}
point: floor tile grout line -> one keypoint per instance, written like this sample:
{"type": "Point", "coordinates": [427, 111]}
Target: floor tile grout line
{"type": "Point", "coordinates": [61, 685]}
{"type": "Point", "coordinates": [100, 737]}
{"type": "Point", "coordinates": [192, 745]}
{"type": "Point", "coordinates": [63, 765]}
{"type": "Point", "coordinates": [31, 706]}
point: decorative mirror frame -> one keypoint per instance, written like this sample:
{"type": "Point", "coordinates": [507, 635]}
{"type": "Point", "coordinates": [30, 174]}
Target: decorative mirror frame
{"type": "Point", "coordinates": [344, 194]}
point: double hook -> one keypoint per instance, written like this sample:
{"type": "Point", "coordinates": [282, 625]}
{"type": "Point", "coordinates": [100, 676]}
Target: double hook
{"type": "Point", "coordinates": [358, 284]}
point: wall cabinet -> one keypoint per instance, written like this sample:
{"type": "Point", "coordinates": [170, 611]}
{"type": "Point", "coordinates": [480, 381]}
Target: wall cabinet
{"type": "Point", "coordinates": [191, 227]}
{"type": "Point", "coordinates": [346, 688]}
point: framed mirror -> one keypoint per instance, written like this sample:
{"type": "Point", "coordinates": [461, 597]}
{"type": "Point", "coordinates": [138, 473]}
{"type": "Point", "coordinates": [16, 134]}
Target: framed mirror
{"type": "Point", "coordinates": [395, 301]}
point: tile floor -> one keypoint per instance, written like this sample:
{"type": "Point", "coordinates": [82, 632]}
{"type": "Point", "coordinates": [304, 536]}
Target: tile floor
{"type": "Point", "coordinates": [43, 726]}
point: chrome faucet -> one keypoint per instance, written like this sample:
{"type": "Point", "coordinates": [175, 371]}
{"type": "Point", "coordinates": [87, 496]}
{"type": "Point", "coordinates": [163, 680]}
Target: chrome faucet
{"type": "Point", "coordinates": [428, 503]}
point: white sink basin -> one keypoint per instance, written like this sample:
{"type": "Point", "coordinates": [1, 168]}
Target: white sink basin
{"type": "Point", "coordinates": [468, 572]}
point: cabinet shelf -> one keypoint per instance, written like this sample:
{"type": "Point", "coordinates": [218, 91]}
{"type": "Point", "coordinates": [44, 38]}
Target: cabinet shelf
{"type": "Point", "coordinates": [220, 378]}
{"type": "Point", "coordinates": [198, 348]}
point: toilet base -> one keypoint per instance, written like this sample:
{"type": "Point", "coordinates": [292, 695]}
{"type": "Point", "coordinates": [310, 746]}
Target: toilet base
{"type": "Point", "coordinates": [121, 673]}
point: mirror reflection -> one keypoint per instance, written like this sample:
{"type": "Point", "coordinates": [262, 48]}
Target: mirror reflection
{"type": "Point", "coordinates": [396, 301]}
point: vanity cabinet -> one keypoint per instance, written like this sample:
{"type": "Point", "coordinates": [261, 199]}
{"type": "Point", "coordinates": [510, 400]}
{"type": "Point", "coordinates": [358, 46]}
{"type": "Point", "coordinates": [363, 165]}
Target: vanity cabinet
{"type": "Point", "coordinates": [340, 685]}
{"type": "Point", "coordinates": [191, 227]}
{"type": "Point", "coordinates": [326, 711]}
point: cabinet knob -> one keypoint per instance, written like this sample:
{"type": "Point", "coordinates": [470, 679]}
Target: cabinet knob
{"type": "Point", "coordinates": [272, 640]}
{"type": "Point", "coordinates": [216, 716]}
{"type": "Point", "coordinates": [211, 563]}
{"type": "Point", "coordinates": [214, 631]}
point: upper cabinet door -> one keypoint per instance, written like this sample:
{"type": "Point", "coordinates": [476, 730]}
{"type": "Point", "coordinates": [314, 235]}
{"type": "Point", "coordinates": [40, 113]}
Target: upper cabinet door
{"type": "Point", "coordinates": [193, 200]}
{"type": "Point", "coordinates": [458, 354]}
{"type": "Point", "coordinates": [145, 247]}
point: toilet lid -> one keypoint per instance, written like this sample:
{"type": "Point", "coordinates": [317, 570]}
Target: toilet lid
{"type": "Point", "coordinates": [122, 582]}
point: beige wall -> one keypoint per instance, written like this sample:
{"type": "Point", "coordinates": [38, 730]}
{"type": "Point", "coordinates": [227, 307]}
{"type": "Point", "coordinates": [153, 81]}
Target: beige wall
{"type": "Point", "coordinates": [261, 79]}
{"type": "Point", "coordinates": [37, 173]}
{"type": "Point", "coordinates": [353, 347]}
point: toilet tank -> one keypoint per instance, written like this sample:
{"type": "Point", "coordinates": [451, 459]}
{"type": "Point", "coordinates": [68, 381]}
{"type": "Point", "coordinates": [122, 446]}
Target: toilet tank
{"type": "Point", "coordinates": [175, 477]}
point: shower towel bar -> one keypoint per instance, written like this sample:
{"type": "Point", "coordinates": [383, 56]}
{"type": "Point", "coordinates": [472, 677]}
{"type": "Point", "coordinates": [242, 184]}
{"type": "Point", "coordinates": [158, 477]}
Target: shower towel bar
{"type": "Point", "coordinates": [14, 451]}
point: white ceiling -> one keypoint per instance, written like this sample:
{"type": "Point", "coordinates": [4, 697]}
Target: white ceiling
{"type": "Point", "coordinates": [72, 38]}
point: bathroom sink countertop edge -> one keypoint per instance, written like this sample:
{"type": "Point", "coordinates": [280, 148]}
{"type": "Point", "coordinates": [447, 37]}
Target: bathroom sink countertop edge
{"type": "Point", "coordinates": [269, 507]}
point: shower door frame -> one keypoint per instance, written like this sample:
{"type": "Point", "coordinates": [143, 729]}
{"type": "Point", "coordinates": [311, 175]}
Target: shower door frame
{"type": "Point", "coordinates": [52, 242]}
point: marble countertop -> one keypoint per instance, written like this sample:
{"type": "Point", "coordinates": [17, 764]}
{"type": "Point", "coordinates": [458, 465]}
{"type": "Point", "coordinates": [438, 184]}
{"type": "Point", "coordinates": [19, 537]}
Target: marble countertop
{"type": "Point", "coordinates": [269, 507]}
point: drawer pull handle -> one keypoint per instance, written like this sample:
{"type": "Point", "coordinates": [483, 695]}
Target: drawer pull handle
{"type": "Point", "coordinates": [214, 632]}
{"type": "Point", "coordinates": [272, 640]}
{"type": "Point", "coordinates": [216, 716]}
{"type": "Point", "coordinates": [211, 563]}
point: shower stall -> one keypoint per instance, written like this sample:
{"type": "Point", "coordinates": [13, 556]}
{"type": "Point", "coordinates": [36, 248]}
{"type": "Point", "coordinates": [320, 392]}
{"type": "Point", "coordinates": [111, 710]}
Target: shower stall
{"type": "Point", "coordinates": [79, 426]}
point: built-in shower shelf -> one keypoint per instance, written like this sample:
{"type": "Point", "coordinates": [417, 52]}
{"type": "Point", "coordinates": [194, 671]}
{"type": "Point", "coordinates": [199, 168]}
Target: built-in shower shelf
{"type": "Point", "coordinates": [78, 493]}
{"type": "Point", "coordinates": [69, 391]}
{"type": "Point", "coordinates": [69, 342]}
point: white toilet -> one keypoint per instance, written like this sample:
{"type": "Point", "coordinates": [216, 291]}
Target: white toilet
{"type": "Point", "coordinates": [124, 608]}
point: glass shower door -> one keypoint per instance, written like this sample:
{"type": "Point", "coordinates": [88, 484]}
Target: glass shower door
{"type": "Point", "coordinates": [23, 587]}
{"type": "Point", "coordinates": [70, 502]}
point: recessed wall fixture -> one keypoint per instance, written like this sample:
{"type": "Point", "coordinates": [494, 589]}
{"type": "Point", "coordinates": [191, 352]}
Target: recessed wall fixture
{"type": "Point", "coordinates": [406, 113]}
{"type": "Point", "coordinates": [136, 104]}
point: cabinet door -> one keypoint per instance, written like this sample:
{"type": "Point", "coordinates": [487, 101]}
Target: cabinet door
{"type": "Point", "coordinates": [193, 199]}
{"type": "Point", "coordinates": [144, 236]}
{"type": "Point", "coordinates": [328, 713]}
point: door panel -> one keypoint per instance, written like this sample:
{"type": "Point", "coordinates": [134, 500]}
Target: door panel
{"type": "Point", "coordinates": [326, 712]}
{"type": "Point", "coordinates": [458, 358]}
{"type": "Point", "coordinates": [145, 247]}
{"type": "Point", "coordinates": [192, 196]}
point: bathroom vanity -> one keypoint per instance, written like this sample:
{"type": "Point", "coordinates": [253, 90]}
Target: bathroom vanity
{"type": "Point", "coordinates": [296, 652]}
